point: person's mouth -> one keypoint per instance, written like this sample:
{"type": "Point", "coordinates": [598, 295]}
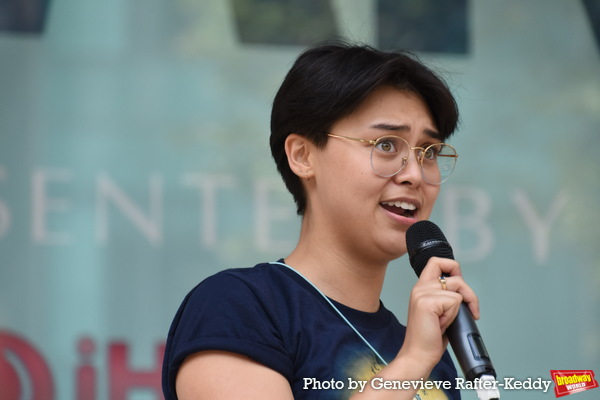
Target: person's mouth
{"type": "Point", "coordinates": [402, 208]}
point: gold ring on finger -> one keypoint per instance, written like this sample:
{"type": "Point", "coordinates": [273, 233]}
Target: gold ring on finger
{"type": "Point", "coordinates": [443, 282]}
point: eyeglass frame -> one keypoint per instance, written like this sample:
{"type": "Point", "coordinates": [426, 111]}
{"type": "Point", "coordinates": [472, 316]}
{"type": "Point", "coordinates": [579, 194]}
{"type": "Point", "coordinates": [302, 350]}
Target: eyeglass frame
{"type": "Point", "coordinates": [405, 159]}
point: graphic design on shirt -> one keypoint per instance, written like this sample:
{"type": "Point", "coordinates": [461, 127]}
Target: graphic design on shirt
{"type": "Point", "coordinates": [364, 366]}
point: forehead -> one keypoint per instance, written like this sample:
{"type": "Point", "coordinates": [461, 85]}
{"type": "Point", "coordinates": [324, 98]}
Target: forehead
{"type": "Point", "coordinates": [391, 111]}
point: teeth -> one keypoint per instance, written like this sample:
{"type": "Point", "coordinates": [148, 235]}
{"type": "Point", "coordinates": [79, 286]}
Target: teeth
{"type": "Point", "coordinates": [401, 204]}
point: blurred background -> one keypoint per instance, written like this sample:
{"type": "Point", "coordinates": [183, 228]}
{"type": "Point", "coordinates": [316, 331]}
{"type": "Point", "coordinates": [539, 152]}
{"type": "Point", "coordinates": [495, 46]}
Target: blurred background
{"type": "Point", "coordinates": [134, 162]}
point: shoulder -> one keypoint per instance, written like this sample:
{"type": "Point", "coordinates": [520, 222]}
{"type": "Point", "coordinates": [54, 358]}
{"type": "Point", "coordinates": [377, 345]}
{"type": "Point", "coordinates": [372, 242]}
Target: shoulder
{"type": "Point", "coordinates": [247, 298]}
{"type": "Point", "coordinates": [246, 311]}
{"type": "Point", "coordinates": [265, 280]}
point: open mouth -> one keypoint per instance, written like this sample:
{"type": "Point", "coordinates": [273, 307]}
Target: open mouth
{"type": "Point", "coordinates": [401, 208]}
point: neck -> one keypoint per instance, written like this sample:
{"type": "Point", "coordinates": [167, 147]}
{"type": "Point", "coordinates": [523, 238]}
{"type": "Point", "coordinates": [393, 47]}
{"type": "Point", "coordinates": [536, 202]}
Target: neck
{"type": "Point", "coordinates": [339, 273]}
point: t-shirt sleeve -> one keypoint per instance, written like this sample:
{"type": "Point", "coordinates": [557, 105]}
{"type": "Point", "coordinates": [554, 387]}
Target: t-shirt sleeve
{"type": "Point", "coordinates": [224, 313]}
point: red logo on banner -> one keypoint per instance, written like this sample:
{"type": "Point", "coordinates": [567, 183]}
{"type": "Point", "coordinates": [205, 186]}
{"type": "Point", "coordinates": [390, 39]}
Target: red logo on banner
{"type": "Point", "coordinates": [572, 381]}
{"type": "Point", "coordinates": [22, 370]}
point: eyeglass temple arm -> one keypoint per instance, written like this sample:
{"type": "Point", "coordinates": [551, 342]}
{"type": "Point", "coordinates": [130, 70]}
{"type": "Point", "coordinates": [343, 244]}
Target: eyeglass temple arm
{"type": "Point", "coordinates": [353, 138]}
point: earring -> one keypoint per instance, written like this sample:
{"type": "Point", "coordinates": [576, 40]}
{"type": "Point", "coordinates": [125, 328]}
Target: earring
{"type": "Point", "coordinates": [306, 176]}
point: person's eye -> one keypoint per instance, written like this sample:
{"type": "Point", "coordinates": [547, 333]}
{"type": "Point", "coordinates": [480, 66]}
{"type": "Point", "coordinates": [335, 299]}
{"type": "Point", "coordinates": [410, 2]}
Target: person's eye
{"type": "Point", "coordinates": [387, 145]}
{"type": "Point", "coordinates": [431, 152]}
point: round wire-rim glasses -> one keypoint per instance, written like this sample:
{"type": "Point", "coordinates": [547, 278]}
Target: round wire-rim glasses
{"type": "Point", "coordinates": [390, 154]}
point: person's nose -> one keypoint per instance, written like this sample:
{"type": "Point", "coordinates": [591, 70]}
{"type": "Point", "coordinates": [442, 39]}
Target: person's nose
{"type": "Point", "coordinates": [411, 173]}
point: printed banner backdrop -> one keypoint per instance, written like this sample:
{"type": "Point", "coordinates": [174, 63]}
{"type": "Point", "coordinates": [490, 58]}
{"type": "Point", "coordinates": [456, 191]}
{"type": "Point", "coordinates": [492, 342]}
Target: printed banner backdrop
{"type": "Point", "coordinates": [134, 162]}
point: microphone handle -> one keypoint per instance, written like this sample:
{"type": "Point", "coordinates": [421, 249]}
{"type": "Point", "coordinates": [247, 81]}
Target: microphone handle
{"type": "Point", "coordinates": [468, 346]}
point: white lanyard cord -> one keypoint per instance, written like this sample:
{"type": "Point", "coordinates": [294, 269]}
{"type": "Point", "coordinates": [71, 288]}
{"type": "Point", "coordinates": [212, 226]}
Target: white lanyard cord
{"type": "Point", "coordinates": [336, 310]}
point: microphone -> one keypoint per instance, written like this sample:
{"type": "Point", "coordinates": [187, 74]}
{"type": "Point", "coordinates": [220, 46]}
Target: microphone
{"type": "Point", "coordinates": [424, 240]}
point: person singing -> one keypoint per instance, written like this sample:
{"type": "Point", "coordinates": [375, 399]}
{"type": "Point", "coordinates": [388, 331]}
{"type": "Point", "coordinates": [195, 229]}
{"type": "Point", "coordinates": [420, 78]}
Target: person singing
{"type": "Point", "coordinates": [358, 136]}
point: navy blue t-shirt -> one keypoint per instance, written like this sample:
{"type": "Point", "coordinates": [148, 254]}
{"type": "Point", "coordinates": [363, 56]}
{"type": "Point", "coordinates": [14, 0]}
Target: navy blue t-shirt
{"type": "Point", "coordinates": [272, 315]}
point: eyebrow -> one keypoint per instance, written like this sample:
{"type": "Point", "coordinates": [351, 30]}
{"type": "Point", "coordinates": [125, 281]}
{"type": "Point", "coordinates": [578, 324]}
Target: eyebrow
{"type": "Point", "coordinates": [405, 128]}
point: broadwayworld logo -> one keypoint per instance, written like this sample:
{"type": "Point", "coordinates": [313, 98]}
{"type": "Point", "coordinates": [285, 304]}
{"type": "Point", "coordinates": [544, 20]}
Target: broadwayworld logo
{"type": "Point", "coordinates": [572, 381]}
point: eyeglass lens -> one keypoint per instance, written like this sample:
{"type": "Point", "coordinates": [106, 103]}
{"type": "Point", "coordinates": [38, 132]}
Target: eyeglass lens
{"type": "Point", "coordinates": [390, 155]}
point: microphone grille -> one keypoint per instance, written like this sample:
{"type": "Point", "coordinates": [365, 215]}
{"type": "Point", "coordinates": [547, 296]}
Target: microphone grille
{"type": "Point", "coordinates": [424, 240]}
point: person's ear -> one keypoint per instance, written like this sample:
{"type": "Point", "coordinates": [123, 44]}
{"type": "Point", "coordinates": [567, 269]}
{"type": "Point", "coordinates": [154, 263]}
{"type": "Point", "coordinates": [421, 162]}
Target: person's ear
{"type": "Point", "coordinates": [298, 150]}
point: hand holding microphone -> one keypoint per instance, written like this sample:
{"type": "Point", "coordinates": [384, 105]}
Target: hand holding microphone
{"type": "Point", "coordinates": [425, 240]}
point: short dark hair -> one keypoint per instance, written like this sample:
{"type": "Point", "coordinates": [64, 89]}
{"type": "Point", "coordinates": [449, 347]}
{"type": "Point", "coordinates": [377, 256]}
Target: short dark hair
{"type": "Point", "coordinates": [329, 81]}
